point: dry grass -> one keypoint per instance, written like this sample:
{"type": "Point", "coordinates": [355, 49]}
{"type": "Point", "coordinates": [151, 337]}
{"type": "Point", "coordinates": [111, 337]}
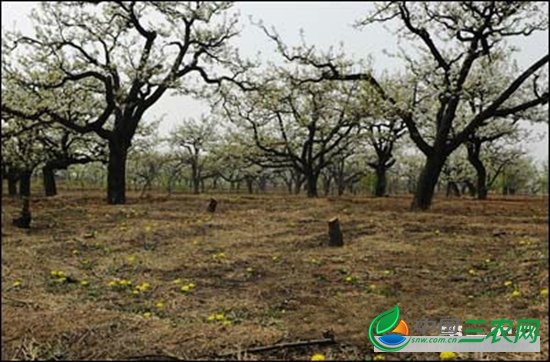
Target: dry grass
{"type": "Point", "coordinates": [277, 281]}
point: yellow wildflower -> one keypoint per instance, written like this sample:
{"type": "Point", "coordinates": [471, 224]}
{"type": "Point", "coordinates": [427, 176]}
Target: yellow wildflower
{"type": "Point", "coordinates": [220, 317]}
{"type": "Point", "coordinates": [16, 284]}
{"type": "Point", "coordinates": [131, 259]}
{"type": "Point", "coordinates": [185, 288]}
{"type": "Point", "coordinates": [148, 228]}
{"type": "Point", "coordinates": [487, 260]}
{"type": "Point", "coordinates": [274, 257]}
{"type": "Point", "coordinates": [177, 281]}
{"type": "Point", "coordinates": [84, 283]}
{"type": "Point", "coordinates": [472, 272]}
{"type": "Point", "coordinates": [53, 273]}
{"type": "Point", "coordinates": [372, 286]}
{"type": "Point", "coordinates": [447, 356]}
{"type": "Point", "coordinates": [112, 283]}
{"type": "Point", "coordinates": [386, 272]}
{"type": "Point", "coordinates": [135, 292]}
{"type": "Point", "coordinates": [437, 232]}
{"type": "Point", "coordinates": [379, 357]}
{"type": "Point", "coordinates": [147, 314]}
{"type": "Point", "coordinates": [318, 357]}
{"type": "Point", "coordinates": [191, 285]}
{"type": "Point", "coordinates": [159, 305]}
{"type": "Point", "coordinates": [249, 270]}
{"type": "Point", "coordinates": [211, 317]}
{"type": "Point", "coordinates": [516, 293]}
{"type": "Point", "coordinates": [226, 323]}
{"type": "Point", "coordinates": [544, 292]}
{"type": "Point", "coordinates": [507, 283]}
{"type": "Point", "coordinates": [349, 279]}
{"type": "Point", "coordinates": [75, 252]}
{"type": "Point", "coordinates": [61, 274]}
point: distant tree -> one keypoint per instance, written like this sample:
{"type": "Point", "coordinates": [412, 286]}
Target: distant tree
{"type": "Point", "coordinates": [193, 140]}
{"type": "Point", "coordinates": [296, 126]}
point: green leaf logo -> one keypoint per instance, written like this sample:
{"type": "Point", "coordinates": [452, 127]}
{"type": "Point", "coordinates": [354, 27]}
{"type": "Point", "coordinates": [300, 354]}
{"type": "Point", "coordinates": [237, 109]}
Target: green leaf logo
{"type": "Point", "coordinates": [383, 323]}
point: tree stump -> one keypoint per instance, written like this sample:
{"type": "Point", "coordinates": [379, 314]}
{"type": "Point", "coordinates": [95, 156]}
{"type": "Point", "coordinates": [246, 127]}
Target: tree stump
{"type": "Point", "coordinates": [334, 233]}
{"type": "Point", "coordinates": [212, 205]}
{"type": "Point", "coordinates": [24, 221]}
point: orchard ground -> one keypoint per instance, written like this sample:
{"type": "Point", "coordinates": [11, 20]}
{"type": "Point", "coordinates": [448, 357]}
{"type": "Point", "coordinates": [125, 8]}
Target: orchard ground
{"type": "Point", "coordinates": [258, 272]}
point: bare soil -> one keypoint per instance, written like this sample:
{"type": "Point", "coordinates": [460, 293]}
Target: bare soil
{"type": "Point", "coordinates": [261, 261]}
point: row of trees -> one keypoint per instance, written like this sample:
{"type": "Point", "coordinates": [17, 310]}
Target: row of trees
{"type": "Point", "coordinates": [89, 73]}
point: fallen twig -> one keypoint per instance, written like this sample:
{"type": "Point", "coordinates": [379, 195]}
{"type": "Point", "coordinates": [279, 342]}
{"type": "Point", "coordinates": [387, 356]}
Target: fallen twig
{"type": "Point", "coordinates": [310, 342]}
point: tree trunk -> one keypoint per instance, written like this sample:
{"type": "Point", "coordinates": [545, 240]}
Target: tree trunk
{"type": "Point", "coordinates": [380, 188]}
{"type": "Point", "coordinates": [50, 188]}
{"type": "Point", "coordinates": [452, 189]}
{"type": "Point", "coordinates": [473, 158]}
{"type": "Point", "coordinates": [12, 185]}
{"type": "Point", "coordinates": [250, 185]}
{"type": "Point", "coordinates": [116, 173]}
{"type": "Point", "coordinates": [427, 180]}
{"type": "Point", "coordinates": [25, 184]}
{"type": "Point", "coordinates": [311, 179]}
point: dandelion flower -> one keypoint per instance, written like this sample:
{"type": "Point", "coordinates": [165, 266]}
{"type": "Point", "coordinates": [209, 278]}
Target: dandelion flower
{"type": "Point", "coordinates": [84, 283]}
{"type": "Point", "coordinates": [159, 305]}
{"type": "Point", "coordinates": [507, 283]}
{"type": "Point", "coordinates": [135, 292]}
{"type": "Point", "coordinates": [53, 273]}
{"type": "Point", "coordinates": [62, 280]}
{"type": "Point", "coordinates": [131, 259]}
{"type": "Point", "coordinates": [191, 285]}
{"type": "Point", "coordinates": [516, 293]}
{"type": "Point", "coordinates": [177, 281]}
{"type": "Point", "coordinates": [185, 288]}
{"type": "Point", "coordinates": [318, 357]}
{"type": "Point", "coordinates": [16, 284]}
{"type": "Point", "coordinates": [211, 317]}
{"type": "Point", "coordinates": [274, 257]}
{"type": "Point", "coordinates": [61, 274]}
{"type": "Point", "coordinates": [75, 252]}
{"type": "Point", "coordinates": [386, 272]}
{"type": "Point", "coordinates": [487, 260]}
{"type": "Point", "coordinates": [112, 283]}
{"type": "Point", "coordinates": [349, 279]}
{"type": "Point", "coordinates": [544, 292]}
{"type": "Point", "coordinates": [372, 286]}
{"type": "Point", "coordinates": [379, 357]}
{"type": "Point", "coordinates": [437, 232]}
{"type": "Point", "coordinates": [249, 270]}
{"type": "Point", "coordinates": [220, 316]}
{"type": "Point", "coordinates": [226, 323]}
{"type": "Point", "coordinates": [472, 272]}
{"type": "Point", "coordinates": [447, 356]}
{"type": "Point", "coordinates": [147, 314]}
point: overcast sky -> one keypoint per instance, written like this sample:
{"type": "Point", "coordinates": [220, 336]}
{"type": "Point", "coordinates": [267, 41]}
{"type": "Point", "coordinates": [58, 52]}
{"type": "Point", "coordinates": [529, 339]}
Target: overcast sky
{"type": "Point", "coordinates": [324, 24]}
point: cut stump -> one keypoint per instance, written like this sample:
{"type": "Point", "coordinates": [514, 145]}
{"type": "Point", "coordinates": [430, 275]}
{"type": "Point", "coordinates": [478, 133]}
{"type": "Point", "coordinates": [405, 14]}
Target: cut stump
{"type": "Point", "coordinates": [334, 233]}
{"type": "Point", "coordinates": [212, 205]}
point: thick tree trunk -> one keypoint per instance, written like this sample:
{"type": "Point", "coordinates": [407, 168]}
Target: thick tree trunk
{"type": "Point", "coordinates": [25, 184]}
{"type": "Point", "coordinates": [116, 174]}
{"type": "Point", "coordinates": [12, 185]}
{"type": "Point", "coordinates": [311, 182]}
{"type": "Point", "coordinates": [380, 187]}
{"type": "Point", "coordinates": [50, 188]}
{"type": "Point", "coordinates": [426, 182]}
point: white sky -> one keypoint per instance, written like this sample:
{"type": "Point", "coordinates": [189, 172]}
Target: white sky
{"type": "Point", "coordinates": [324, 24]}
